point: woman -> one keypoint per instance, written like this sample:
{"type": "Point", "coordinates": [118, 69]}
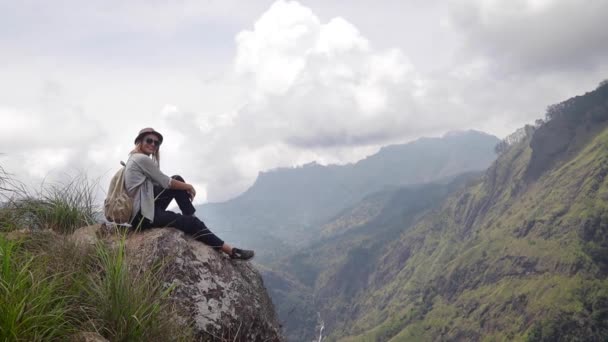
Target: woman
{"type": "Point", "coordinates": [152, 191]}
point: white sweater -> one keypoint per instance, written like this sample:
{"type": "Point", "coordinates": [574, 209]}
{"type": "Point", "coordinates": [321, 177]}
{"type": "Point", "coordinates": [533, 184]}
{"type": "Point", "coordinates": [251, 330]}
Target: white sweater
{"type": "Point", "coordinates": [141, 174]}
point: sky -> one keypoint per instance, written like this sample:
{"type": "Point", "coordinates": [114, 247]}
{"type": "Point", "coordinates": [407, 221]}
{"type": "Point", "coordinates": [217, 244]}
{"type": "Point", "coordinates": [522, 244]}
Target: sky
{"type": "Point", "coordinates": [242, 87]}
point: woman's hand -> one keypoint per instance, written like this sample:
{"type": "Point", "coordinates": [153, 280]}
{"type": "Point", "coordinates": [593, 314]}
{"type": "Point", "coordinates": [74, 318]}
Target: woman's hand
{"type": "Point", "coordinates": [191, 192]}
{"type": "Point", "coordinates": [179, 185]}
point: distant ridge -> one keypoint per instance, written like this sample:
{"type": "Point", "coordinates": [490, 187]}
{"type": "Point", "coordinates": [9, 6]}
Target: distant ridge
{"type": "Point", "coordinates": [285, 207]}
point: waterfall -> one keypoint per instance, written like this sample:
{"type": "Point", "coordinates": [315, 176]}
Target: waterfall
{"type": "Point", "coordinates": [321, 327]}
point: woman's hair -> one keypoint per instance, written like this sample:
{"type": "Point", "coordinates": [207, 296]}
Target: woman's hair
{"type": "Point", "coordinates": [155, 155]}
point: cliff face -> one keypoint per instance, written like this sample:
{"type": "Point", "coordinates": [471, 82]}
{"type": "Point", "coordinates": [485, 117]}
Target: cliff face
{"type": "Point", "coordinates": [519, 255]}
{"type": "Point", "coordinates": [222, 299]}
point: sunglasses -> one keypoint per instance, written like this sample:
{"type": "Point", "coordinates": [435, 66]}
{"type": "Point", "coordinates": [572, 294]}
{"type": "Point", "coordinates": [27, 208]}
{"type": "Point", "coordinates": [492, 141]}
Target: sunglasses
{"type": "Point", "coordinates": [151, 141]}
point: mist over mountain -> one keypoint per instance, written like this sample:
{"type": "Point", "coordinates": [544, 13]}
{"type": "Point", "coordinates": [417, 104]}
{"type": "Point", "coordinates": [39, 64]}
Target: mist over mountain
{"type": "Point", "coordinates": [520, 253]}
{"type": "Point", "coordinates": [286, 207]}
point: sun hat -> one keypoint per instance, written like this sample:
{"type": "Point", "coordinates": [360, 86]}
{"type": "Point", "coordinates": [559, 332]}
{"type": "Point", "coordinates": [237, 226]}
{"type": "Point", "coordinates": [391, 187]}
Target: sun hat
{"type": "Point", "coordinates": [148, 130]}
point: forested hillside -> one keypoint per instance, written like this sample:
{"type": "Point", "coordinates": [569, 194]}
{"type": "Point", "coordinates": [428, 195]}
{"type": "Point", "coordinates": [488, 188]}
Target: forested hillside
{"type": "Point", "coordinates": [522, 254]}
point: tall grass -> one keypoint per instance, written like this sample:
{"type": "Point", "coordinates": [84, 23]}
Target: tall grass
{"type": "Point", "coordinates": [128, 302]}
{"type": "Point", "coordinates": [51, 288]}
{"type": "Point", "coordinates": [62, 207]}
{"type": "Point", "coordinates": [3, 178]}
{"type": "Point", "coordinates": [6, 191]}
{"type": "Point", "coordinates": [33, 306]}
{"type": "Point", "coordinates": [6, 182]}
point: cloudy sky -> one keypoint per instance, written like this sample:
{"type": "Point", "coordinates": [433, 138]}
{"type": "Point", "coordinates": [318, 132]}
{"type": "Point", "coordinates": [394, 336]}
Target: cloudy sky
{"type": "Point", "coordinates": [239, 87]}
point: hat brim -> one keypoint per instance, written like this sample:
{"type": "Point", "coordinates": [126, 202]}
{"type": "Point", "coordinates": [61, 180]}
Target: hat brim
{"type": "Point", "coordinates": [141, 135]}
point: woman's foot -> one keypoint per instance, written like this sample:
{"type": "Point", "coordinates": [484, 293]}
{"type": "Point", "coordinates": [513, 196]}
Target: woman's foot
{"type": "Point", "coordinates": [241, 254]}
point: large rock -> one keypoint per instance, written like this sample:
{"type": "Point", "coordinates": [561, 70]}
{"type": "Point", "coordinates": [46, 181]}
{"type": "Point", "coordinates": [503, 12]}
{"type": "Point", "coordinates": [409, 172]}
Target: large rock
{"type": "Point", "coordinates": [223, 299]}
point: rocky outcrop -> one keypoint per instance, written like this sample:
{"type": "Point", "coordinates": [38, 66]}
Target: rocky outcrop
{"type": "Point", "coordinates": [222, 299]}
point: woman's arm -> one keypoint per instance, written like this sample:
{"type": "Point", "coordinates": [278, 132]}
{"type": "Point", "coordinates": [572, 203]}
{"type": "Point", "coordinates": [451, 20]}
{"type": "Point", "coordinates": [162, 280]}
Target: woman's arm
{"type": "Point", "coordinates": [179, 185]}
{"type": "Point", "coordinates": [150, 168]}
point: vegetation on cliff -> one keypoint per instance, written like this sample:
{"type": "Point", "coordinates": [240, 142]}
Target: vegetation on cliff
{"type": "Point", "coordinates": [520, 255]}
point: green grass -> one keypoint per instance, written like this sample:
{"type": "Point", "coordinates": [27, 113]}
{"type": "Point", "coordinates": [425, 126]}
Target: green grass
{"type": "Point", "coordinates": [129, 303]}
{"type": "Point", "coordinates": [34, 306]}
{"type": "Point", "coordinates": [51, 288]}
{"type": "Point", "coordinates": [62, 207]}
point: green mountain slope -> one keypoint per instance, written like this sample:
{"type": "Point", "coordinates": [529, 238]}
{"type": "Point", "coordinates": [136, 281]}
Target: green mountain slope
{"type": "Point", "coordinates": [520, 255]}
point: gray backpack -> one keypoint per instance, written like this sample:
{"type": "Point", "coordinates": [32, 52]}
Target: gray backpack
{"type": "Point", "coordinates": [118, 206]}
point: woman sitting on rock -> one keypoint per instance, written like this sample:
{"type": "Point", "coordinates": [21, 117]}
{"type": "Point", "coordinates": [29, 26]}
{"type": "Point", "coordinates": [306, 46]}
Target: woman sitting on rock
{"type": "Point", "coordinates": [152, 191]}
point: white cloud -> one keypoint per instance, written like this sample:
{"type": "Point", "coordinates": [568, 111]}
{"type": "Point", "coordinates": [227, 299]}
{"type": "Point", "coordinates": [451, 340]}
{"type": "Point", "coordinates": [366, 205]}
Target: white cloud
{"type": "Point", "coordinates": [313, 91]}
{"type": "Point", "coordinates": [525, 36]}
{"type": "Point", "coordinates": [51, 120]}
{"type": "Point", "coordinates": [320, 84]}
{"type": "Point", "coordinates": [242, 87]}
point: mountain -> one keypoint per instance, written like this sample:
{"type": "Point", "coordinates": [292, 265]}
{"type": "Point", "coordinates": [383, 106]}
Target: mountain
{"type": "Point", "coordinates": [285, 208]}
{"type": "Point", "coordinates": [521, 253]}
{"type": "Point", "coordinates": [355, 239]}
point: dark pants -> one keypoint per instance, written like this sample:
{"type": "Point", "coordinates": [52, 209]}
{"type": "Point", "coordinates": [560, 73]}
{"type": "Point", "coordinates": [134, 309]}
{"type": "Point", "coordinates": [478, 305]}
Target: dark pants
{"type": "Point", "coordinates": [185, 221]}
